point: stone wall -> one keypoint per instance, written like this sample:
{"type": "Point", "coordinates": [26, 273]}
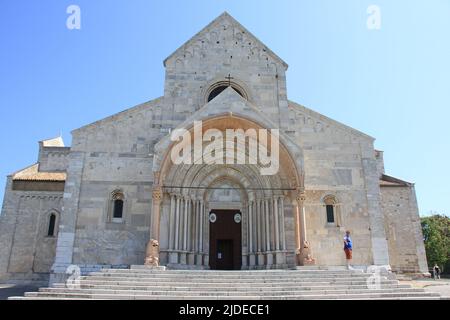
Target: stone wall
{"type": "Point", "coordinates": [53, 159]}
{"type": "Point", "coordinates": [403, 230]}
{"type": "Point", "coordinates": [26, 250]}
{"type": "Point", "coordinates": [341, 162]}
{"type": "Point", "coordinates": [222, 48]}
{"type": "Point", "coordinates": [117, 154]}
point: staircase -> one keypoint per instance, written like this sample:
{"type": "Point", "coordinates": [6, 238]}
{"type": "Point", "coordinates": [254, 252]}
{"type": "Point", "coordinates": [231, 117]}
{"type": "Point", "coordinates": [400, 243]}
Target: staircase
{"type": "Point", "coordinates": [309, 283]}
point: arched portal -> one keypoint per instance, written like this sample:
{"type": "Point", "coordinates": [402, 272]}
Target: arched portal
{"type": "Point", "coordinates": [266, 206]}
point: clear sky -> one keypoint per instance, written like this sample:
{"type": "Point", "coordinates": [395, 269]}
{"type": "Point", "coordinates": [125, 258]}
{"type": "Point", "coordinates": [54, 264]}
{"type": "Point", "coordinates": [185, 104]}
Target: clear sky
{"type": "Point", "coordinates": [392, 83]}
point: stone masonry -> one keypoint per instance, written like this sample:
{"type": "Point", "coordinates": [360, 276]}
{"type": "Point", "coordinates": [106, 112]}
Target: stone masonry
{"type": "Point", "coordinates": [125, 158]}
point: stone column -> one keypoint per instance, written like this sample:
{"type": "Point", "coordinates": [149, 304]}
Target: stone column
{"type": "Point", "coordinates": [281, 240]}
{"type": "Point", "coordinates": [260, 238]}
{"type": "Point", "coordinates": [173, 256]}
{"type": "Point", "coordinates": [269, 255]}
{"type": "Point", "coordinates": [199, 257]}
{"type": "Point", "coordinates": [156, 211]}
{"type": "Point", "coordinates": [276, 227]}
{"type": "Point", "coordinates": [183, 226]}
{"type": "Point", "coordinates": [258, 225]}
{"type": "Point", "coordinates": [304, 254]}
{"type": "Point", "coordinates": [190, 235]}
{"type": "Point", "coordinates": [180, 223]}
{"type": "Point", "coordinates": [205, 234]}
{"type": "Point", "coordinates": [202, 223]}
{"type": "Point", "coordinates": [282, 229]}
{"type": "Point", "coordinates": [177, 222]}
{"type": "Point", "coordinates": [196, 225]}
{"type": "Point", "coordinates": [245, 234]}
{"type": "Point", "coordinates": [157, 195]}
{"type": "Point", "coordinates": [171, 222]}
{"type": "Point", "coordinates": [251, 251]}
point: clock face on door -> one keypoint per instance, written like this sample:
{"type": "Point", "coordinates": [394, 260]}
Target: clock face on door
{"type": "Point", "coordinates": [237, 218]}
{"type": "Point", "coordinates": [212, 218]}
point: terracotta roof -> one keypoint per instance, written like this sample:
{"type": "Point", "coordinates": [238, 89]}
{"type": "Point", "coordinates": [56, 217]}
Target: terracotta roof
{"type": "Point", "coordinates": [32, 174]}
{"type": "Point", "coordinates": [388, 181]}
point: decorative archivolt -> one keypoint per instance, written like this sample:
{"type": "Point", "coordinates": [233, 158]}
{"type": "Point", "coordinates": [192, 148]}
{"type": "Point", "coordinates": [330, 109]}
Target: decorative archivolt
{"type": "Point", "coordinates": [290, 174]}
{"type": "Point", "coordinates": [330, 199]}
{"type": "Point", "coordinates": [117, 195]}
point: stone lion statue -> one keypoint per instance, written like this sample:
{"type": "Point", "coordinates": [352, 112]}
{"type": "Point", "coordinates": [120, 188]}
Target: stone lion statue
{"type": "Point", "coordinates": [152, 253]}
{"type": "Point", "coordinates": [305, 255]}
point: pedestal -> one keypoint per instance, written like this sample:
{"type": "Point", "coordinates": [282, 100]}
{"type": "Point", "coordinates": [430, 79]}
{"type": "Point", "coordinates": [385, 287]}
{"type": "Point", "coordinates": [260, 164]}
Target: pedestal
{"type": "Point", "coordinates": [244, 262]}
{"type": "Point", "coordinates": [251, 260]}
{"type": "Point", "coordinates": [183, 258]}
{"type": "Point", "coordinates": [191, 259]}
{"type": "Point", "coordinates": [269, 257]}
{"type": "Point", "coordinates": [173, 257]}
{"type": "Point", "coordinates": [280, 258]}
{"type": "Point", "coordinates": [260, 258]}
{"type": "Point", "coordinates": [199, 260]}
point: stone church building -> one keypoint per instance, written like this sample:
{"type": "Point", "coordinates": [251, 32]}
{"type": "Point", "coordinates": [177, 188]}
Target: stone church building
{"type": "Point", "coordinates": [98, 202]}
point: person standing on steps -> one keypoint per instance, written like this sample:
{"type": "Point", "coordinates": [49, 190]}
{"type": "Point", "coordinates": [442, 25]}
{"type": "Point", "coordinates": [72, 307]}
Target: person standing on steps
{"type": "Point", "coordinates": [348, 248]}
{"type": "Point", "coordinates": [436, 272]}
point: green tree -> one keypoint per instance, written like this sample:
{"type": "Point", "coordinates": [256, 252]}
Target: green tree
{"type": "Point", "coordinates": [436, 233]}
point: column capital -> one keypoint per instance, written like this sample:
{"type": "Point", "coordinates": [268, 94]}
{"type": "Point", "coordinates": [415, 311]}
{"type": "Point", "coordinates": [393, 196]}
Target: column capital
{"type": "Point", "coordinates": [157, 193]}
{"type": "Point", "coordinates": [300, 194]}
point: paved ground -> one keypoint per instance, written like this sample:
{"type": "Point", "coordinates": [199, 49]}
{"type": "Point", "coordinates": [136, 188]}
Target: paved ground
{"type": "Point", "coordinates": [8, 290]}
{"type": "Point", "coordinates": [441, 286]}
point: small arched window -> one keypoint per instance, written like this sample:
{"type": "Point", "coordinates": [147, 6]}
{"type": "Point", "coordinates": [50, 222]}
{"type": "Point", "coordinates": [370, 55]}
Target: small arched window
{"type": "Point", "coordinates": [221, 86]}
{"type": "Point", "coordinates": [330, 204]}
{"type": "Point", "coordinates": [118, 209]}
{"type": "Point", "coordinates": [51, 225]}
{"type": "Point", "coordinates": [330, 213]}
{"type": "Point", "coordinates": [117, 198]}
{"type": "Point", "coordinates": [216, 91]}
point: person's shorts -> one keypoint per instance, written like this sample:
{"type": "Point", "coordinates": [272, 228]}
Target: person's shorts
{"type": "Point", "coordinates": [348, 254]}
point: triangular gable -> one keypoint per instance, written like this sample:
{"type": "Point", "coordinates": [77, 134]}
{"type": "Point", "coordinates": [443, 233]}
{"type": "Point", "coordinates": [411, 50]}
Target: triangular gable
{"type": "Point", "coordinates": [229, 101]}
{"type": "Point", "coordinates": [216, 23]}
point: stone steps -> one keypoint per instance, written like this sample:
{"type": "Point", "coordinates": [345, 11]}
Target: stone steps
{"type": "Point", "coordinates": [183, 287]}
{"type": "Point", "coordinates": [359, 296]}
{"type": "Point", "coordinates": [222, 293]}
{"type": "Point", "coordinates": [142, 284]}
{"type": "Point", "coordinates": [218, 279]}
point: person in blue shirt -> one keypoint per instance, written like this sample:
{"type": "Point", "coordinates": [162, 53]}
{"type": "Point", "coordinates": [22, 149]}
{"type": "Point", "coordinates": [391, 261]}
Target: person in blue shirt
{"type": "Point", "coordinates": [348, 248]}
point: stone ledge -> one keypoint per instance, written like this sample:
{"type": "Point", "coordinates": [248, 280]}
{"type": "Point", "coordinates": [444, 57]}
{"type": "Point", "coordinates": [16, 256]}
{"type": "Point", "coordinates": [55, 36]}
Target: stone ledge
{"type": "Point", "coordinates": [143, 267]}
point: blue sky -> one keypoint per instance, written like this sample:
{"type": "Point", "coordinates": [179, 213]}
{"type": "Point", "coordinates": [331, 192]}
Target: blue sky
{"type": "Point", "coordinates": [392, 83]}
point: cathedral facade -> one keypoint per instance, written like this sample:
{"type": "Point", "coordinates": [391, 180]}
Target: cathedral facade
{"type": "Point", "coordinates": [99, 202]}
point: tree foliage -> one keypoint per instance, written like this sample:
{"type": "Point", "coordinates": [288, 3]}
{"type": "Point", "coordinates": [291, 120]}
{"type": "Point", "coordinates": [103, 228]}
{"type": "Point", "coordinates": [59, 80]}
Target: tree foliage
{"type": "Point", "coordinates": [436, 233]}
